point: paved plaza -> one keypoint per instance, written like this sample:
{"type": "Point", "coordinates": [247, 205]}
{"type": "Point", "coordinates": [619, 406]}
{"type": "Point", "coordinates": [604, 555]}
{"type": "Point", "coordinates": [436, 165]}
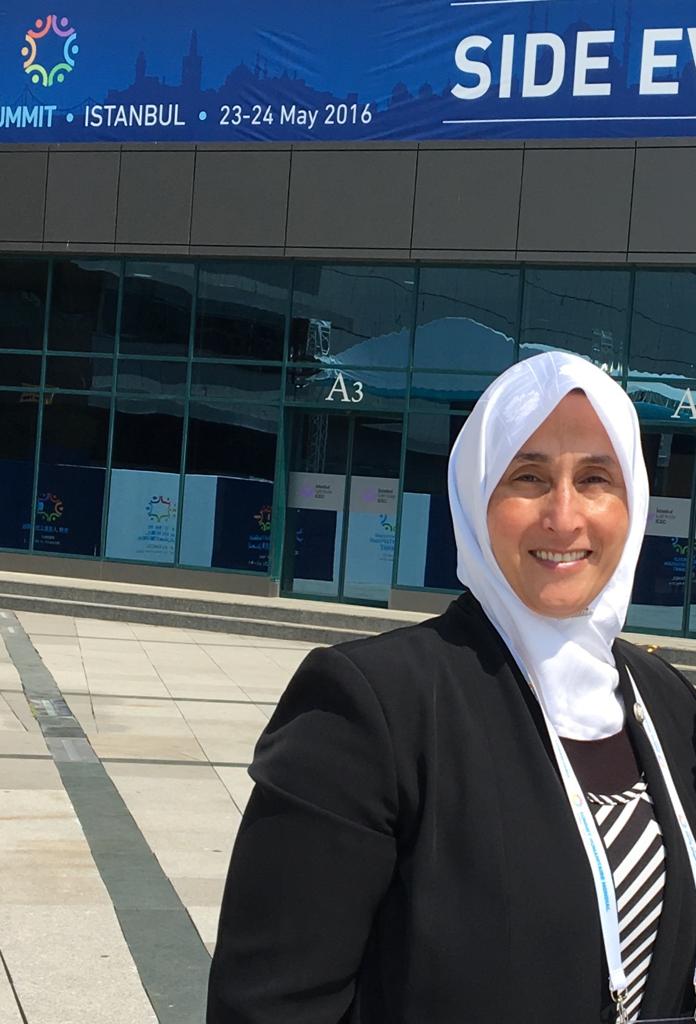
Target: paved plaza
{"type": "Point", "coordinates": [93, 927]}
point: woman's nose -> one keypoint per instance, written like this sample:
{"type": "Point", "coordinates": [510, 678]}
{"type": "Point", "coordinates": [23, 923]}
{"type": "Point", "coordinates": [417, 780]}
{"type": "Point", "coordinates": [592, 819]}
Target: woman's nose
{"type": "Point", "coordinates": [563, 510]}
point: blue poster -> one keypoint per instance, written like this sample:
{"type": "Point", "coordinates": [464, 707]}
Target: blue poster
{"type": "Point", "coordinates": [16, 484]}
{"type": "Point", "coordinates": [375, 69]}
{"type": "Point", "coordinates": [69, 510]}
{"type": "Point", "coordinates": [242, 534]}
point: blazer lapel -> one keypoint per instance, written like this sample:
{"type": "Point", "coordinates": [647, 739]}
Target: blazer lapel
{"type": "Point", "coordinates": [672, 962]}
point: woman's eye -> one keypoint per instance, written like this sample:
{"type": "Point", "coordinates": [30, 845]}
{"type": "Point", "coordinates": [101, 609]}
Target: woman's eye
{"type": "Point", "coordinates": [527, 478]}
{"type": "Point", "coordinates": [596, 479]}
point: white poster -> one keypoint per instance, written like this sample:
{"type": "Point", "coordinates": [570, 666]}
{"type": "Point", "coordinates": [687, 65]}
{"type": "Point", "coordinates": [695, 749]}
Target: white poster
{"type": "Point", "coordinates": [668, 517]}
{"type": "Point", "coordinates": [371, 538]}
{"type": "Point", "coordinates": [413, 549]}
{"type": "Point", "coordinates": [198, 526]}
{"type": "Point", "coordinates": [317, 490]}
{"type": "Point", "coordinates": [142, 515]}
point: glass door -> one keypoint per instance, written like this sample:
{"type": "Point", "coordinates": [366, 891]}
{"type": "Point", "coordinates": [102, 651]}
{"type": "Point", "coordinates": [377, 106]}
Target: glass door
{"type": "Point", "coordinates": [660, 591]}
{"type": "Point", "coordinates": [342, 498]}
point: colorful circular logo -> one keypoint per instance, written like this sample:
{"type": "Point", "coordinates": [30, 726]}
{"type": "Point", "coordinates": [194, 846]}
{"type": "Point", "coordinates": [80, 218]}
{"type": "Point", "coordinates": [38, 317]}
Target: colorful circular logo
{"type": "Point", "coordinates": [47, 29]}
{"type": "Point", "coordinates": [49, 507]}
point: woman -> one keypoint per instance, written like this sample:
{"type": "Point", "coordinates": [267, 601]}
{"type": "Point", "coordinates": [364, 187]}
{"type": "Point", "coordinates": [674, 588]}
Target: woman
{"type": "Point", "coordinates": [420, 845]}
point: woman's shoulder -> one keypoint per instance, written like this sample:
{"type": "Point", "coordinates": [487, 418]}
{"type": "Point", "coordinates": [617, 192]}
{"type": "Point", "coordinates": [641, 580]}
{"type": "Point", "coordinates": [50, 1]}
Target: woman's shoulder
{"type": "Point", "coordinates": [655, 672]}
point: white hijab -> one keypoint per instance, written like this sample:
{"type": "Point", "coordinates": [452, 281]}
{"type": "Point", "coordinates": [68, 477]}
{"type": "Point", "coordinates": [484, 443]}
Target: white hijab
{"type": "Point", "coordinates": [568, 660]}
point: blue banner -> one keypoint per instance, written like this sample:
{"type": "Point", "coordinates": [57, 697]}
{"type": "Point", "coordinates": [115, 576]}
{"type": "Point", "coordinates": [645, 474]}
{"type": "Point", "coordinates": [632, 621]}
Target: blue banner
{"type": "Point", "coordinates": [375, 69]}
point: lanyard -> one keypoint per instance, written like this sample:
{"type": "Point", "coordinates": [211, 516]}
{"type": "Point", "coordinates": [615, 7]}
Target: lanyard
{"type": "Point", "coordinates": [596, 853]}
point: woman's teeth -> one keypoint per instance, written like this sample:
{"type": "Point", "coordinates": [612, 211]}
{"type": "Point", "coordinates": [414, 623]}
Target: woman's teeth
{"type": "Point", "coordinates": [568, 556]}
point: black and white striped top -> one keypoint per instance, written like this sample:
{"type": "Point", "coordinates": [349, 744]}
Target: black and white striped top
{"type": "Point", "coordinates": [633, 841]}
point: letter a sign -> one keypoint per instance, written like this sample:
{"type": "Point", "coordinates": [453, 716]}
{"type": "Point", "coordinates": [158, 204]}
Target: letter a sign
{"type": "Point", "coordinates": [687, 402]}
{"type": "Point", "coordinates": [340, 388]}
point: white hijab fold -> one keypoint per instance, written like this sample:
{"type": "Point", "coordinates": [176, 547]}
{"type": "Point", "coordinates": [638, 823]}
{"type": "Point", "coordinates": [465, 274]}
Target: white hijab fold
{"type": "Point", "coordinates": [569, 660]}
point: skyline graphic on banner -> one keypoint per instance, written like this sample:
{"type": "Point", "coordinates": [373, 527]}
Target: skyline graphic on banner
{"type": "Point", "coordinates": [381, 69]}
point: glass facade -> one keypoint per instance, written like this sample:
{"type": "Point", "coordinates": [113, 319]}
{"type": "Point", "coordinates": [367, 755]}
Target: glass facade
{"type": "Point", "coordinates": [294, 419]}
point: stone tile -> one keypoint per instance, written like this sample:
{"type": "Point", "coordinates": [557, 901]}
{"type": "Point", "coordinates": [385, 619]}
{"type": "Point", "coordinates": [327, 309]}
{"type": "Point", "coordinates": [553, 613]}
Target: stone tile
{"type": "Point", "coordinates": [9, 720]}
{"type": "Point", "coordinates": [48, 625]}
{"type": "Point", "coordinates": [9, 1013]}
{"type": "Point", "coordinates": [147, 748]}
{"type": "Point", "coordinates": [22, 743]}
{"type": "Point", "coordinates": [29, 773]}
{"type": "Point", "coordinates": [201, 892]}
{"type": "Point", "coordinates": [238, 783]}
{"type": "Point", "coordinates": [19, 705]}
{"type": "Point", "coordinates": [127, 686]}
{"type": "Point", "coordinates": [205, 919]}
{"type": "Point", "coordinates": [103, 629]}
{"type": "Point", "coordinates": [265, 692]}
{"type": "Point", "coordinates": [201, 688]}
{"type": "Point", "coordinates": [161, 633]}
{"type": "Point", "coordinates": [72, 966]}
{"type": "Point", "coordinates": [207, 857]}
{"type": "Point", "coordinates": [178, 772]}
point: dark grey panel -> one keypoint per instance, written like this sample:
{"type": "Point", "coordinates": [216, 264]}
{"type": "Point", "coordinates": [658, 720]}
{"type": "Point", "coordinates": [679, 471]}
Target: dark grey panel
{"type": "Point", "coordinates": [467, 199]}
{"type": "Point", "coordinates": [576, 199]}
{"type": "Point", "coordinates": [240, 198]}
{"type": "Point", "coordinates": [154, 203]}
{"type": "Point", "coordinates": [81, 197]}
{"type": "Point", "coordinates": [23, 189]}
{"type": "Point", "coordinates": [353, 199]}
{"type": "Point", "coordinates": [664, 202]}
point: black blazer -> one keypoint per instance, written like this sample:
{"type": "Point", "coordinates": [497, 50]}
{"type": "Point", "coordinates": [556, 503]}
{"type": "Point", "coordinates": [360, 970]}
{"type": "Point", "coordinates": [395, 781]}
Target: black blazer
{"type": "Point", "coordinates": [408, 855]}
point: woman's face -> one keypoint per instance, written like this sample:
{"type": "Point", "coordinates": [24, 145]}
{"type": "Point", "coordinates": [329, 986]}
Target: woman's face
{"type": "Point", "coordinates": [558, 519]}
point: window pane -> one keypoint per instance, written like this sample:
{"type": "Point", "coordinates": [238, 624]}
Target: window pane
{"type": "Point", "coordinates": [582, 311]}
{"type": "Point", "coordinates": [346, 390]}
{"type": "Point", "coordinates": [22, 302]}
{"type": "Point", "coordinates": [442, 391]}
{"type": "Point", "coordinates": [79, 373]}
{"type": "Point", "coordinates": [230, 382]}
{"type": "Point", "coordinates": [156, 316]}
{"type": "Point", "coordinates": [241, 310]}
{"type": "Point", "coordinates": [663, 333]}
{"type": "Point", "coordinates": [466, 318]}
{"type": "Point", "coordinates": [427, 550]}
{"type": "Point", "coordinates": [347, 314]}
{"type": "Point", "coordinates": [72, 474]}
{"type": "Point", "coordinates": [660, 400]}
{"type": "Point", "coordinates": [84, 298]}
{"type": "Point", "coordinates": [17, 441]}
{"type": "Point", "coordinates": [659, 589]}
{"type": "Point", "coordinates": [19, 371]}
{"type": "Point", "coordinates": [151, 377]}
{"type": "Point", "coordinates": [144, 488]}
{"type": "Point", "coordinates": [228, 495]}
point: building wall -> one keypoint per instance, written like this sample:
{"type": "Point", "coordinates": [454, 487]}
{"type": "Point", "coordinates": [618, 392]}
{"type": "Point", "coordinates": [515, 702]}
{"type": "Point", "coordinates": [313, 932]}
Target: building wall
{"type": "Point", "coordinates": [600, 202]}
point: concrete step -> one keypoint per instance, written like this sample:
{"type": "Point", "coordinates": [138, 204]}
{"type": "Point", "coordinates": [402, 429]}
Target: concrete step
{"type": "Point", "coordinates": [135, 602]}
{"type": "Point", "coordinates": [305, 632]}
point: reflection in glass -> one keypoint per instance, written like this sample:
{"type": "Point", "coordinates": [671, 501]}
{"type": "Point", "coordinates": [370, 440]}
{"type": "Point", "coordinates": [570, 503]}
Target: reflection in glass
{"type": "Point", "coordinates": [316, 495]}
{"type": "Point", "coordinates": [19, 371]}
{"type": "Point", "coordinates": [582, 311]}
{"type": "Point", "coordinates": [659, 589]}
{"type": "Point", "coordinates": [663, 331]}
{"type": "Point", "coordinates": [17, 443]}
{"type": "Point", "coordinates": [228, 492]}
{"type": "Point", "coordinates": [669, 400]}
{"type": "Point", "coordinates": [442, 391]}
{"type": "Point", "coordinates": [151, 376]}
{"type": "Point", "coordinates": [144, 486]}
{"type": "Point", "coordinates": [427, 549]}
{"type": "Point", "coordinates": [466, 318]}
{"type": "Point", "coordinates": [156, 317]}
{"type": "Point", "coordinates": [372, 508]}
{"type": "Point", "coordinates": [359, 315]}
{"type": "Point", "coordinates": [348, 390]}
{"type": "Point", "coordinates": [79, 373]}
{"type": "Point", "coordinates": [84, 300]}
{"type": "Point", "coordinates": [241, 310]}
{"type": "Point", "coordinates": [234, 381]}
{"type": "Point", "coordinates": [22, 302]}
{"type": "Point", "coordinates": [71, 475]}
